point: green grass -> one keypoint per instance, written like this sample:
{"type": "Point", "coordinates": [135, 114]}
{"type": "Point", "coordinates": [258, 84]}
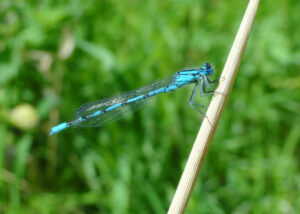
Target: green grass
{"type": "Point", "coordinates": [134, 165]}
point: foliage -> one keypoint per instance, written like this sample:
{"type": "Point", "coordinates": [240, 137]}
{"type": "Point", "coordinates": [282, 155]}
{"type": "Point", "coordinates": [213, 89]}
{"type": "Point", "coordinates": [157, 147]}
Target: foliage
{"type": "Point", "coordinates": [57, 55]}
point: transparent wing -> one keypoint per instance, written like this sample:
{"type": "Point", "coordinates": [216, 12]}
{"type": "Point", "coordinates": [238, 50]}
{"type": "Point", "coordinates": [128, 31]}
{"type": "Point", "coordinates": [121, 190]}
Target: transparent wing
{"type": "Point", "coordinates": [116, 114]}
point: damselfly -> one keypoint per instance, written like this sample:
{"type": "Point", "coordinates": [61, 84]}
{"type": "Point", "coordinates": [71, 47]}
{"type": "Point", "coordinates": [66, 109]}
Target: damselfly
{"type": "Point", "coordinates": [114, 108]}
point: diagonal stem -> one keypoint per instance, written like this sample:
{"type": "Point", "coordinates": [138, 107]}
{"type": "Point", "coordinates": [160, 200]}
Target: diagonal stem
{"type": "Point", "coordinates": [216, 107]}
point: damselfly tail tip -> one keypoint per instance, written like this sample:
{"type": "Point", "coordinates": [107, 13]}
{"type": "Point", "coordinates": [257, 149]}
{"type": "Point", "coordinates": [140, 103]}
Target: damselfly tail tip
{"type": "Point", "coordinates": [58, 128]}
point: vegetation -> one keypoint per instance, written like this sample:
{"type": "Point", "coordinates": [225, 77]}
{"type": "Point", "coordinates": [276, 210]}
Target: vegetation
{"type": "Point", "coordinates": [57, 55]}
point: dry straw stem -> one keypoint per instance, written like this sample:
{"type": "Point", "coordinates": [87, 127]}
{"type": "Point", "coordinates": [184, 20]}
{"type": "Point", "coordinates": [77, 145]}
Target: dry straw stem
{"type": "Point", "coordinates": [216, 107]}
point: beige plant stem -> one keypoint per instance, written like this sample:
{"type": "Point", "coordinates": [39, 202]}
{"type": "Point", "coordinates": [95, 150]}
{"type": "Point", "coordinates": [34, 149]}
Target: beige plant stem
{"type": "Point", "coordinates": [216, 107]}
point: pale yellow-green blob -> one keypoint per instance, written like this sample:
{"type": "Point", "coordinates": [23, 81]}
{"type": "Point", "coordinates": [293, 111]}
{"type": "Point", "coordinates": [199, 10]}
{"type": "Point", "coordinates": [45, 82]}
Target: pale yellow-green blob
{"type": "Point", "coordinates": [24, 116]}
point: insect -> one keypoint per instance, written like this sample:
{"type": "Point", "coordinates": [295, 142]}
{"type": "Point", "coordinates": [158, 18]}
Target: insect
{"type": "Point", "coordinates": [114, 108]}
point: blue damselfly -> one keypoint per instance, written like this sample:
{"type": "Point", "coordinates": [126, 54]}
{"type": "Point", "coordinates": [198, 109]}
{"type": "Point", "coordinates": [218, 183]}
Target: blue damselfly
{"type": "Point", "coordinates": [110, 109]}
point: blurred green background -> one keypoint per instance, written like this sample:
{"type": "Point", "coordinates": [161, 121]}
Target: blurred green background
{"type": "Point", "coordinates": [58, 55]}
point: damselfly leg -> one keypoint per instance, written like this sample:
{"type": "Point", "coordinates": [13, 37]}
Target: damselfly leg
{"type": "Point", "coordinates": [206, 83]}
{"type": "Point", "coordinates": [192, 103]}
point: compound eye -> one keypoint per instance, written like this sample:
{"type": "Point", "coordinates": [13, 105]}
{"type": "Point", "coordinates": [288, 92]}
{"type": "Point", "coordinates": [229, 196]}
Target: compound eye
{"type": "Point", "coordinates": [207, 65]}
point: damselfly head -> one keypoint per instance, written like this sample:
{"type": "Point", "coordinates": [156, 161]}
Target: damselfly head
{"type": "Point", "coordinates": [207, 69]}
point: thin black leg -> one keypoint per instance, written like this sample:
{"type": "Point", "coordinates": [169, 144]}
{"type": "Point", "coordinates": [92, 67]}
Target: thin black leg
{"type": "Point", "coordinates": [192, 103]}
{"type": "Point", "coordinates": [212, 81]}
{"type": "Point", "coordinates": [193, 94]}
{"type": "Point", "coordinates": [203, 92]}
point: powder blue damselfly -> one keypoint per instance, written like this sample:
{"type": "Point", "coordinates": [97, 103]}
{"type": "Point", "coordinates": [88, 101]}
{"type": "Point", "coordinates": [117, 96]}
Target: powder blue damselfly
{"type": "Point", "coordinates": [114, 108]}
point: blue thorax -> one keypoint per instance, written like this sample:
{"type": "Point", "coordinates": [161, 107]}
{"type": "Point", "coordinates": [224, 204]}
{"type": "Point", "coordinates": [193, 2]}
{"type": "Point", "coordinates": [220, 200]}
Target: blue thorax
{"type": "Point", "coordinates": [185, 77]}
